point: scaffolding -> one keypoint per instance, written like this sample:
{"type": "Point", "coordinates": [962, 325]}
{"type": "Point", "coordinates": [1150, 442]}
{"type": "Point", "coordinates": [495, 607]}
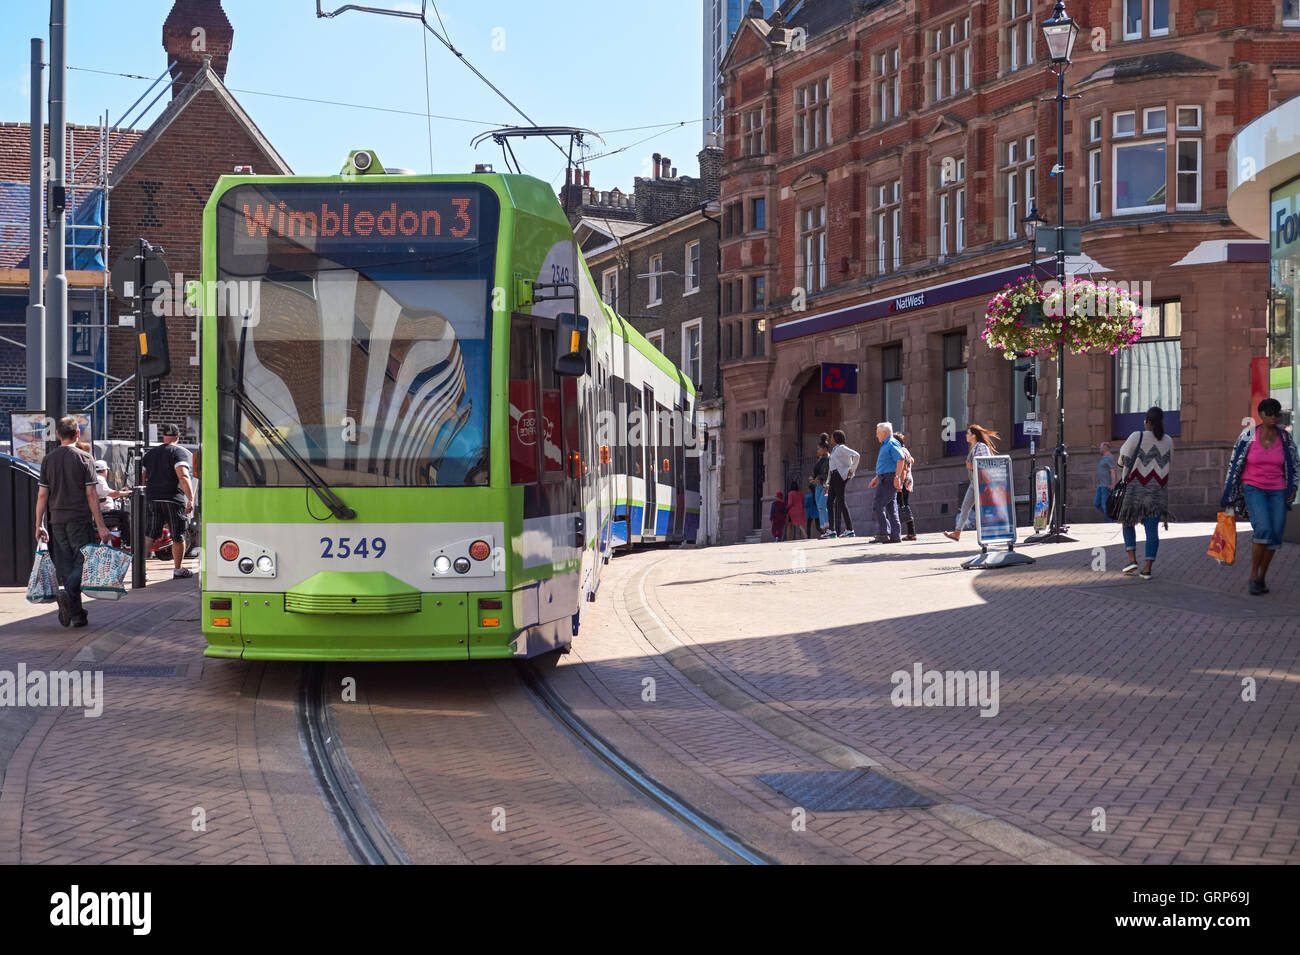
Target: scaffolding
{"type": "Point", "coordinates": [89, 198]}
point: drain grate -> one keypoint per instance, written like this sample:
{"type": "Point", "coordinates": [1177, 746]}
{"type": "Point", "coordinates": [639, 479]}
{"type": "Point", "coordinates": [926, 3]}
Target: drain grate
{"type": "Point", "coordinates": [127, 670]}
{"type": "Point", "coordinates": [844, 791]}
{"type": "Point", "coordinates": [788, 570]}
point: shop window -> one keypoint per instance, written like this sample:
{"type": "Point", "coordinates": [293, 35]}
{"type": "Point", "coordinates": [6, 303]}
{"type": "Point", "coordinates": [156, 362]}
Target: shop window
{"type": "Point", "coordinates": [1149, 372]}
{"type": "Point", "coordinates": [951, 200]}
{"type": "Point", "coordinates": [956, 414]}
{"type": "Point", "coordinates": [757, 215]}
{"type": "Point", "coordinates": [891, 376]}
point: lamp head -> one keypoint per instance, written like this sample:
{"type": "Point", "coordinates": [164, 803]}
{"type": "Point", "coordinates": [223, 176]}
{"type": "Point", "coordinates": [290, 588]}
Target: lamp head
{"type": "Point", "coordinates": [1060, 32]}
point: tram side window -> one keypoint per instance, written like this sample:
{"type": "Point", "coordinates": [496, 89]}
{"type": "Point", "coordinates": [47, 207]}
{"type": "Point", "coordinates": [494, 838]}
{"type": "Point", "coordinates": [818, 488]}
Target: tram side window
{"type": "Point", "coordinates": [635, 432]}
{"type": "Point", "coordinates": [523, 404]}
{"type": "Point", "coordinates": [648, 426]}
{"type": "Point", "coordinates": [550, 432]}
{"type": "Point", "coordinates": [619, 440]}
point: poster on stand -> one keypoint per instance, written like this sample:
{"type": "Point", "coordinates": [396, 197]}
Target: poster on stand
{"type": "Point", "coordinates": [1042, 498]}
{"type": "Point", "coordinates": [29, 437]}
{"type": "Point", "coordinates": [995, 511]}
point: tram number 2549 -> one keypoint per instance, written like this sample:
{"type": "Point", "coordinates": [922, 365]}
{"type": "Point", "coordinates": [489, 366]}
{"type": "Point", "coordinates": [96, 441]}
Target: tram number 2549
{"type": "Point", "coordinates": [343, 547]}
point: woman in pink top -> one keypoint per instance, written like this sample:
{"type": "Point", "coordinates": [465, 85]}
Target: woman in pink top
{"type": "Point", "coordinates": [1262, 481]}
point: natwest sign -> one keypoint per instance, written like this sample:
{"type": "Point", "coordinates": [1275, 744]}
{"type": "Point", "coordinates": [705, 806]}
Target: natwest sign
{"type": "Point", "coordinates": [839, 378]}
{"type": "Point", "coordinates": [902, 304]}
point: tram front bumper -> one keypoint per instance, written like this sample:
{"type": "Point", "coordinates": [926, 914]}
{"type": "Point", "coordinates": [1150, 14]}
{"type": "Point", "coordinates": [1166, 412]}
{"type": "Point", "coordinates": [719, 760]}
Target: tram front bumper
{"type": "Point", "coordinates": [447, 626]}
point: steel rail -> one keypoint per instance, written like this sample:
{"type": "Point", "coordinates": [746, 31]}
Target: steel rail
{"type": "Point", "coordinates": [368, 840]}
{"type": "Point", "coordinates": [668, 801]}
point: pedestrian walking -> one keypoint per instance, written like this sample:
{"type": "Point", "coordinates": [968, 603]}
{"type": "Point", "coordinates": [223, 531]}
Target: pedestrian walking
{"type": "Point", "coordinates": [777, 515]}
{"type": "Point", "coordinates": [891, 462]}
{"type": "Point", "coordinates": [982, 443]}
{"type": "Point", "coordinates": [822, 476]}
{"type": "Point", "coordinates": [810, 508]}
{"type": "Point", "coordinates": [1262, 479]}
{"type": "Point", "coordinates": [905, 493]}
{"type": "Point", "coordinates": [170, 494]}
{"type": "Point", "coordinates": [843, 463]}
{"type": "Point", "coordinates": [1107, 475]}
{"type": "Point", "coordinates": [795, 516]}
{"type": "Point", "coordinates": [67, 494]}
{"type": "Point", "coordinates": [1147, 456]}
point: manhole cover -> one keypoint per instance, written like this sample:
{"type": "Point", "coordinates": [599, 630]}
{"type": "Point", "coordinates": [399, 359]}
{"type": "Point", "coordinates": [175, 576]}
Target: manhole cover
{"type": "Point", "coordinates": [126, 670]}
{"type": "Point", "coordinates": [844, 791]}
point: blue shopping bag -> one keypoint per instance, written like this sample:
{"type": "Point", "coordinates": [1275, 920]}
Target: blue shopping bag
{"type": "Point", "coordinates": [43, 585]}
{"type": "Point", "coordinates": [103, 571]}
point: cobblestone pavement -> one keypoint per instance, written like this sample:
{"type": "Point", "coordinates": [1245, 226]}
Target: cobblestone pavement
{"type": "Point", "coordinates": [1116, 695]}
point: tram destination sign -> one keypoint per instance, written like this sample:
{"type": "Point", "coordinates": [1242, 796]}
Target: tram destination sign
{"type": "Point", "coordinates": [320, 218]}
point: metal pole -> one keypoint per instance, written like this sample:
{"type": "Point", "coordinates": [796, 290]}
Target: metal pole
{"type": "Point", "coordinates": [1058, 522]}
{"type": "Point", "coordinates": [138, 555]}
{"type": "Point", "coordinates": [56, 328]}
{"type": "Point", "coordinates": [36, 243]}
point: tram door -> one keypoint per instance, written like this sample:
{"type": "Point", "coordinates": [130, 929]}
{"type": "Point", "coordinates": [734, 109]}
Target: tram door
{"type": "Point", "coordinates": [649, 433]}
{"type": "Point", "coordinates": [679, 473]}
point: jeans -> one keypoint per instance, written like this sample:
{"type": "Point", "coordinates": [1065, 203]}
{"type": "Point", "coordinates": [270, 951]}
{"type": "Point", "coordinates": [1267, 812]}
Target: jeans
{"type": "Point", "coordinates": [66, 541]}
{"type": "Point", "coordinates": [819, 495]}
{"type": "Point", "coordinates": [886, 507]}
{"type": "Point", "coordinates": [967, 505]}
{"type": "Point", "coordinates": [1267, 514]}
{"type": "Point", "coordinates": [1099, 501]}
{"type": "Point", "coordinates": [838, 508]}
{"type": "Point", "coordinates": [905, 510]}
{"type": "Point", "coordinates": [1152, 527]}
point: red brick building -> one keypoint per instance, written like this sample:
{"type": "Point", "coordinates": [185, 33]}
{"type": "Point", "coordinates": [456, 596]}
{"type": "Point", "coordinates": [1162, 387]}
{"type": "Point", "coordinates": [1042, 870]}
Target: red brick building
{"type": "Point", "coordinates": [896, 145]}
{"type": "Point", "coordinates": [157, 181]}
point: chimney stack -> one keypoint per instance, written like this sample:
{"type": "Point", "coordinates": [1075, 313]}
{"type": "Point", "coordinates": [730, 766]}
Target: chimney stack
{"type": "Point", "coordinates": [658, 164]}
{"type": "Point", "coordinates": [195, 31]}
{"type": "Point", "coordinates": [586, 178]}
{"type": "Point", "coordinates": [568, 175]}
{"type": "Point", "coordinates": [666, 162]}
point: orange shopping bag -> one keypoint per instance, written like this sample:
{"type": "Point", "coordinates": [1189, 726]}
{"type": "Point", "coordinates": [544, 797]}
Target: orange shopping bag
{"type": "Point", "coordinates": [1223, 545]}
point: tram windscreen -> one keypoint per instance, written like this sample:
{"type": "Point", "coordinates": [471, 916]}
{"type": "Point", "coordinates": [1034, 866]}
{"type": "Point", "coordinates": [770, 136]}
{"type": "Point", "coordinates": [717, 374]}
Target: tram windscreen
{"type": "Point", "coordinates": [356, 318]}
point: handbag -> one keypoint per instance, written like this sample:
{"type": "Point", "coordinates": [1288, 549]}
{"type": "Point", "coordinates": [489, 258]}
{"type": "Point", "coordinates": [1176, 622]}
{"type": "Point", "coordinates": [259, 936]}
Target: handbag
{"type": "Point", "coordinates": [43, 585]}
{"type": "Point", "coordinates": [1223, 544]}
{"type": "Point", "coordinates": [1115, 503]}
{"type": "Point", "coordinates": [103, 571]}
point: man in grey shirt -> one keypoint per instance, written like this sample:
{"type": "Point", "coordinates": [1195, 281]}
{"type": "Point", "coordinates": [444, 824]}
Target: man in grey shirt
{"type": "Point", "coordinates": [1107, 475]}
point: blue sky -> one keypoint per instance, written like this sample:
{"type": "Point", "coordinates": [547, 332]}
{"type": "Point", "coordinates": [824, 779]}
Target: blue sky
{"type": "Point", "coordinates": [602, 64]}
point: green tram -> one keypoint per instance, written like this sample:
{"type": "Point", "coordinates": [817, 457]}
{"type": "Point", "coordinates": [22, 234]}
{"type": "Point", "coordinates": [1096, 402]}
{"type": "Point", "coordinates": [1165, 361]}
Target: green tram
{"type": "Point", "coordinates": [430, 431]}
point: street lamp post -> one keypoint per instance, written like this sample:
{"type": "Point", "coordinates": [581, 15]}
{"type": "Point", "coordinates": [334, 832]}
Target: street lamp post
{"type": "Point", "coordinates": [1031, 223]}
{"type": "Point", "coordinates": [1060, 32]}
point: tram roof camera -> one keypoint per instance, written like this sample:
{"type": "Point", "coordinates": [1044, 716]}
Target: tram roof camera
{"type": "Point", "coordinates": [363, 161]}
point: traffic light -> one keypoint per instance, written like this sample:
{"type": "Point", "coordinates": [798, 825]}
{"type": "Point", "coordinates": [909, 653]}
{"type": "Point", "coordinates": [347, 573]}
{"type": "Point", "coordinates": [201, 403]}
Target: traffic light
{"type": "Point", "coordinates": [152, 337]}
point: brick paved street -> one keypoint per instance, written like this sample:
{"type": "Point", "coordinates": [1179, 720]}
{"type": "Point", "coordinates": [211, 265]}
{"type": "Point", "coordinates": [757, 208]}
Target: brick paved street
{"type": "Point", "coordinates": [1115, 693]}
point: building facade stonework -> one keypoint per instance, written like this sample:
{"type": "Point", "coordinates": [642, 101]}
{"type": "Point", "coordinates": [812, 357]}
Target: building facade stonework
{"type": "Point", "coordinates": [877, 172]}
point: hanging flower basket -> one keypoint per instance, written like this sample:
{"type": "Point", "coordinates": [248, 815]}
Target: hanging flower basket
{"type": "Point", "coordinates": [1085, 315]}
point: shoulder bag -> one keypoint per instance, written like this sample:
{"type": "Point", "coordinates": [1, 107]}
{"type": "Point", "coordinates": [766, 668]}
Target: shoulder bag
{"type": "Point", "coordinates": [1115, 503]}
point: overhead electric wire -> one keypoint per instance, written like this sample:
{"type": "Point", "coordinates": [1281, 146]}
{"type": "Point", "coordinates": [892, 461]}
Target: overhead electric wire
{"type": "Point", "coordinates": [428, 104]}
{"type": "Point", "coordinates": [309, 99]}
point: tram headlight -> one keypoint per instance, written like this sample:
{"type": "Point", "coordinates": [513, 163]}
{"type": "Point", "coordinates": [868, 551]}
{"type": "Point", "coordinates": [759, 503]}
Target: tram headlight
{"type": "Point", "coordinates": [245, 565]}
{"type": "Point", "coordinates": [265, 564]}
{"type": "Point", "coordinates": [441, 564]}
{"type": "Point", "coordinates": [461, 565]}
{"type": "Point", "coordinates": [229, 550]}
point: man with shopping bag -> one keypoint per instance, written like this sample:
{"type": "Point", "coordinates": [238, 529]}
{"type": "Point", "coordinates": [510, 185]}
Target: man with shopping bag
{"type": "Point", "coordinates": [67, 493]}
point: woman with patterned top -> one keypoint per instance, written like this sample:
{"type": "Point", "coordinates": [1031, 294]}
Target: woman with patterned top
{"type": "Point", "coordinates": [1146, 457]}
{"type": "Point", "coordinates": [1261, 484]}
{"type": "Point", "coordinates": [981, 445]}
{"type": "Point", "coordinates": [905, 492]}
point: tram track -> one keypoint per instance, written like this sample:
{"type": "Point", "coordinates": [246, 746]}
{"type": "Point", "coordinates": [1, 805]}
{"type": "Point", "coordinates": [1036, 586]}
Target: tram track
{"type": "Point", "coordinates": [370, 841]}
{"type": "Point", "coordinates": [367, 837]}
{"type": "Point", "coordinates": [663, 798]}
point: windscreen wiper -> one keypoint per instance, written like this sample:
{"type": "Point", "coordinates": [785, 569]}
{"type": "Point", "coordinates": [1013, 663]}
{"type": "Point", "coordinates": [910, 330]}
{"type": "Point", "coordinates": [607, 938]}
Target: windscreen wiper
{"type": "Point", "coordinates": [290, 453]}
